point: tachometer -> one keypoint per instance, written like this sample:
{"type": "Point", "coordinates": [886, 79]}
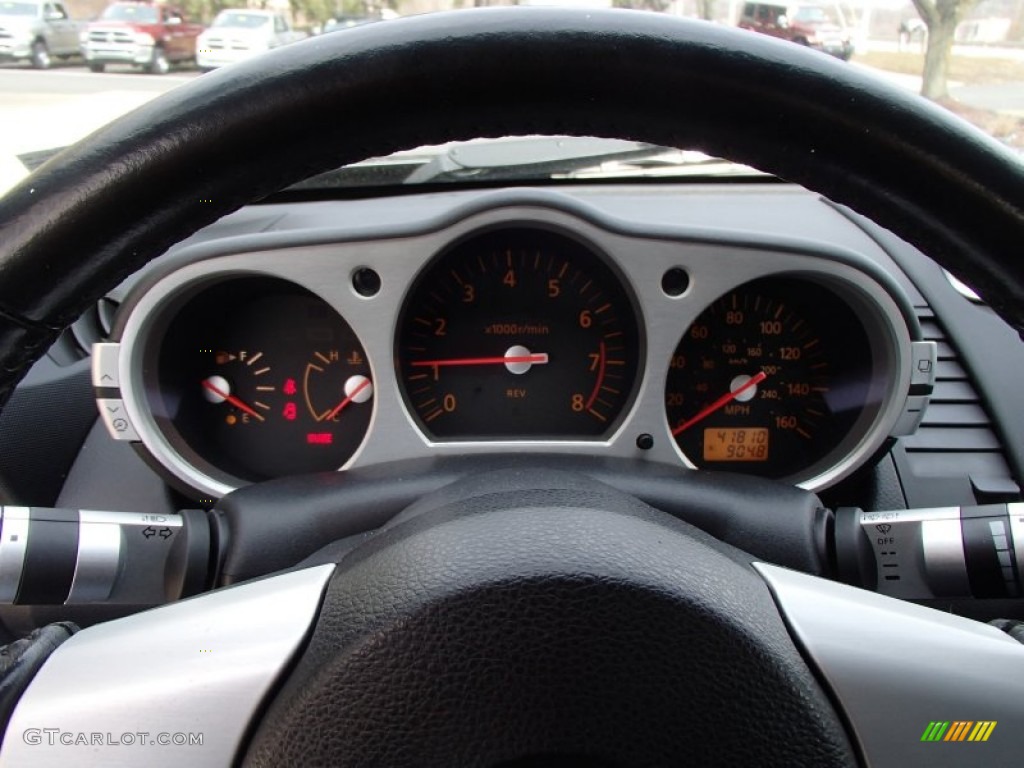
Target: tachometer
{"type": "Point", "coordinates": [769, 380]}
{"type": "Point", "coordinates": [518, 333]}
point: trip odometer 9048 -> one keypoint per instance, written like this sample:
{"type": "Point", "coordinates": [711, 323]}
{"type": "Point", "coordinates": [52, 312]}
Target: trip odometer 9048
{"type": "Point", "coordinates": [518, 333]}
{"type": "Point", "coordinates": [771, 379]}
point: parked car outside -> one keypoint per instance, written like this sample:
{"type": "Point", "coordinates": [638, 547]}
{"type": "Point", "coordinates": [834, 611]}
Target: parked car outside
{"type": "Point", "coordinates": [238, 34]}
{"type": "Point", "coordinates": [36, 31]}
{"type": "Point", "coordinates": [816, 26]}
{"type": "Point", "coordinates": [148, 35]}
{"type": "Point", "coordinates": [347, 21]}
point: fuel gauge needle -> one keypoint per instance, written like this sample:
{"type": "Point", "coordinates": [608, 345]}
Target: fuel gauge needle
{"type": "Point", "coordinates": [724, 400]}
{"type": "Point", "coordinates": [211, 387]}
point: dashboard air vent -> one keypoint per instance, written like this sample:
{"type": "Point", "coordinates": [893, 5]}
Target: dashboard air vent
{"type": "Point", "coordinates": [93, 326]}
{"type": "Point", "coordinates": [955, 456]}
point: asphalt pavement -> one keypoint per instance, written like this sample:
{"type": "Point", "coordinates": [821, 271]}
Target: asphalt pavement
{"type": "Point", "coordinates": [44, 110]}
{"type": "Point", "coordinates": [1007, 98]}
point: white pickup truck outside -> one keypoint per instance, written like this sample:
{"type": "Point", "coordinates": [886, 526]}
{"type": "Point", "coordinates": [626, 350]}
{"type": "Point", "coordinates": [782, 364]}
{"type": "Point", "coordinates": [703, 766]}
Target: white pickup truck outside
{"type": "Point", "coordinates": [238, 34]}
{"type": "Point", "coordinates": [36, 31]}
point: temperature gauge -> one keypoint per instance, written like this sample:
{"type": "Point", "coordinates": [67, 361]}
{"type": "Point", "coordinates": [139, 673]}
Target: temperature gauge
{"type": "Point", "coordinates": [338, 394]}
{"type": "Point", "coordinates": [332, 383]}
{"type": "Point", "coordinates": [258, 378]}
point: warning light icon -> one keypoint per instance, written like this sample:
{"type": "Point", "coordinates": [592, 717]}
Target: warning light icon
{"type": "Point", "coordinates": [289, 387]}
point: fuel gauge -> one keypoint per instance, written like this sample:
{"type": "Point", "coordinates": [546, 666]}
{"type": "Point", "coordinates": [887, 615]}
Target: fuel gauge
{"type": "Point", "coordinates": [259, 378]}
{"type": "Point", "coordinates": [235, 378]}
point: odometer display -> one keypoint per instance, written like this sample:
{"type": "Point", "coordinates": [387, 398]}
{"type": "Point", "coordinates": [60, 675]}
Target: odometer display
{"type": "Point", "coordinates": [518, 333]}
{"type": "Point", "coordinates": [770, 379]}
{"type": "Point", "coordinates": [732, 444]}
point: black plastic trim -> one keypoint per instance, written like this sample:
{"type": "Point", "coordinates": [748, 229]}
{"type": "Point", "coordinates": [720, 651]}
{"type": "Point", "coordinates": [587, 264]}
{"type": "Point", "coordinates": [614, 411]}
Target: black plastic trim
{"type": "Point", "coordinates": [988, 348]}
{"type": "Point", "coordinates": [50, 558]}
{"type": "Point", "coordinates": [276, 524]}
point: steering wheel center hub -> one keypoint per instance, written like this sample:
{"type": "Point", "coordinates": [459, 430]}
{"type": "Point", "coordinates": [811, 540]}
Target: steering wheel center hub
{"type": "Point", "coordinates": [546, 617]}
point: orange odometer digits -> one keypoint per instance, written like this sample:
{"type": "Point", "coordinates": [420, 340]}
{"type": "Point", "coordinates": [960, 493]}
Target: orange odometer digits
{"type": "Point", "coordinates": [518, 333]}
{"type": "Point", "coordinates": [732, 444]}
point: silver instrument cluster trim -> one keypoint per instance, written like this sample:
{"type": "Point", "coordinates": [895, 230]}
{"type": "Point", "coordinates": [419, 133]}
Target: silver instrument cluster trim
{"type": "Point", "coordinates": [895, 668]}
{"type": "Point", "coordinates": [201, 667]}
{"type": "Point", "coordinates": [326, 268]}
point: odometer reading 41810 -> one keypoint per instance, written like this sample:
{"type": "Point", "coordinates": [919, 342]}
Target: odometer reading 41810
{"type": "Point", "coordinates": [518, 333]}
{"type": "Point", "coordinates": [769, 379]}
{"type": "Point", "coordinates": [732, 444]}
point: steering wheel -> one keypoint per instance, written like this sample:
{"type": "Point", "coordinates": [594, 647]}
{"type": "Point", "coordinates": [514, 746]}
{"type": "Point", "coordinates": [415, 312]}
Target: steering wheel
{"type": "Point", "coordinates": [514, 620]}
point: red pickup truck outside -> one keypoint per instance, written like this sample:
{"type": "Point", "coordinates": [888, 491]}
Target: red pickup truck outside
{"type": "Point", "coordinates": [141, 34]}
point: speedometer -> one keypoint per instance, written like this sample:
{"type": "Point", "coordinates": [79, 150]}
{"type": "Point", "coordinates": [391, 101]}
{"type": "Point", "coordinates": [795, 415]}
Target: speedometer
{"type": "Point", "coordinates": [515, 333]}
{"type": "Point", "coordinates": [770, 379]}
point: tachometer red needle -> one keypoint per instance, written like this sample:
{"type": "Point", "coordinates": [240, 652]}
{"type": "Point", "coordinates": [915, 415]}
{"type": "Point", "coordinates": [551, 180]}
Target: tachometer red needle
{"type": "Point", "coordinates": [365, 383]}
{"type": "Point", "coordinates": [538, 358]}
{"type": "Point", "coordinates": [232, 399]}
{"type": "Point", "coordinates": [725, 399]}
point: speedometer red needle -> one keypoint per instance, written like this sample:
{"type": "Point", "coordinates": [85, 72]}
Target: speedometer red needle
{"type": "Point", "coordinates": [232, 399]}
{"type": "Point", "coordinates": [538, 358]}
{"type": "Point", "coordinates": [725, 399]}
{"type": "Point", "coordinates": [365, 383]}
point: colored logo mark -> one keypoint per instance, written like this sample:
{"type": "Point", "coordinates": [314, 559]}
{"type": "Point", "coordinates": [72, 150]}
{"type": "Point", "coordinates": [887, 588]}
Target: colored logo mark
{"type": "Point", "coordinates": [958, 730]}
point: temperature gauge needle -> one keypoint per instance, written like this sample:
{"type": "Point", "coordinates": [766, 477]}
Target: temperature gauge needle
{"type": "Point", "coordinates": [352, 396]}
{"type": "Point", "coordinates": [724, 400]}
{"type": "Point", "coordinates": [225, 397]}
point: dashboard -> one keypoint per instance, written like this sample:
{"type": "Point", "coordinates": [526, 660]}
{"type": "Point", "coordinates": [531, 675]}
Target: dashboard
{"type": "Point", "coordinates": [122, 416]}
{"type": "Point", "coordinates": [517, 321]}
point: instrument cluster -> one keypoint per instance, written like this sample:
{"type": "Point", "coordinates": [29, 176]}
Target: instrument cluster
{"type": "Point", "coordinates": [519, 328]}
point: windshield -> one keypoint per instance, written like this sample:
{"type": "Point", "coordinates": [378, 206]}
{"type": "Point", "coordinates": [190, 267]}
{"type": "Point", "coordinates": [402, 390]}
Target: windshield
{"type": "Point", "coordinates": [145, 14]}
{"type": "Point", "coordinates": [974, 68]}
{"type": "Point", "coordinates": [241, 20]}
{"type": "Point", "coordinates": [17, 9]}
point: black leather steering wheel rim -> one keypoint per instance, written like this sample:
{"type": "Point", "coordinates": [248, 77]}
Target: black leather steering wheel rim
{"type": "Point", "coordinates": [103, 208]}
